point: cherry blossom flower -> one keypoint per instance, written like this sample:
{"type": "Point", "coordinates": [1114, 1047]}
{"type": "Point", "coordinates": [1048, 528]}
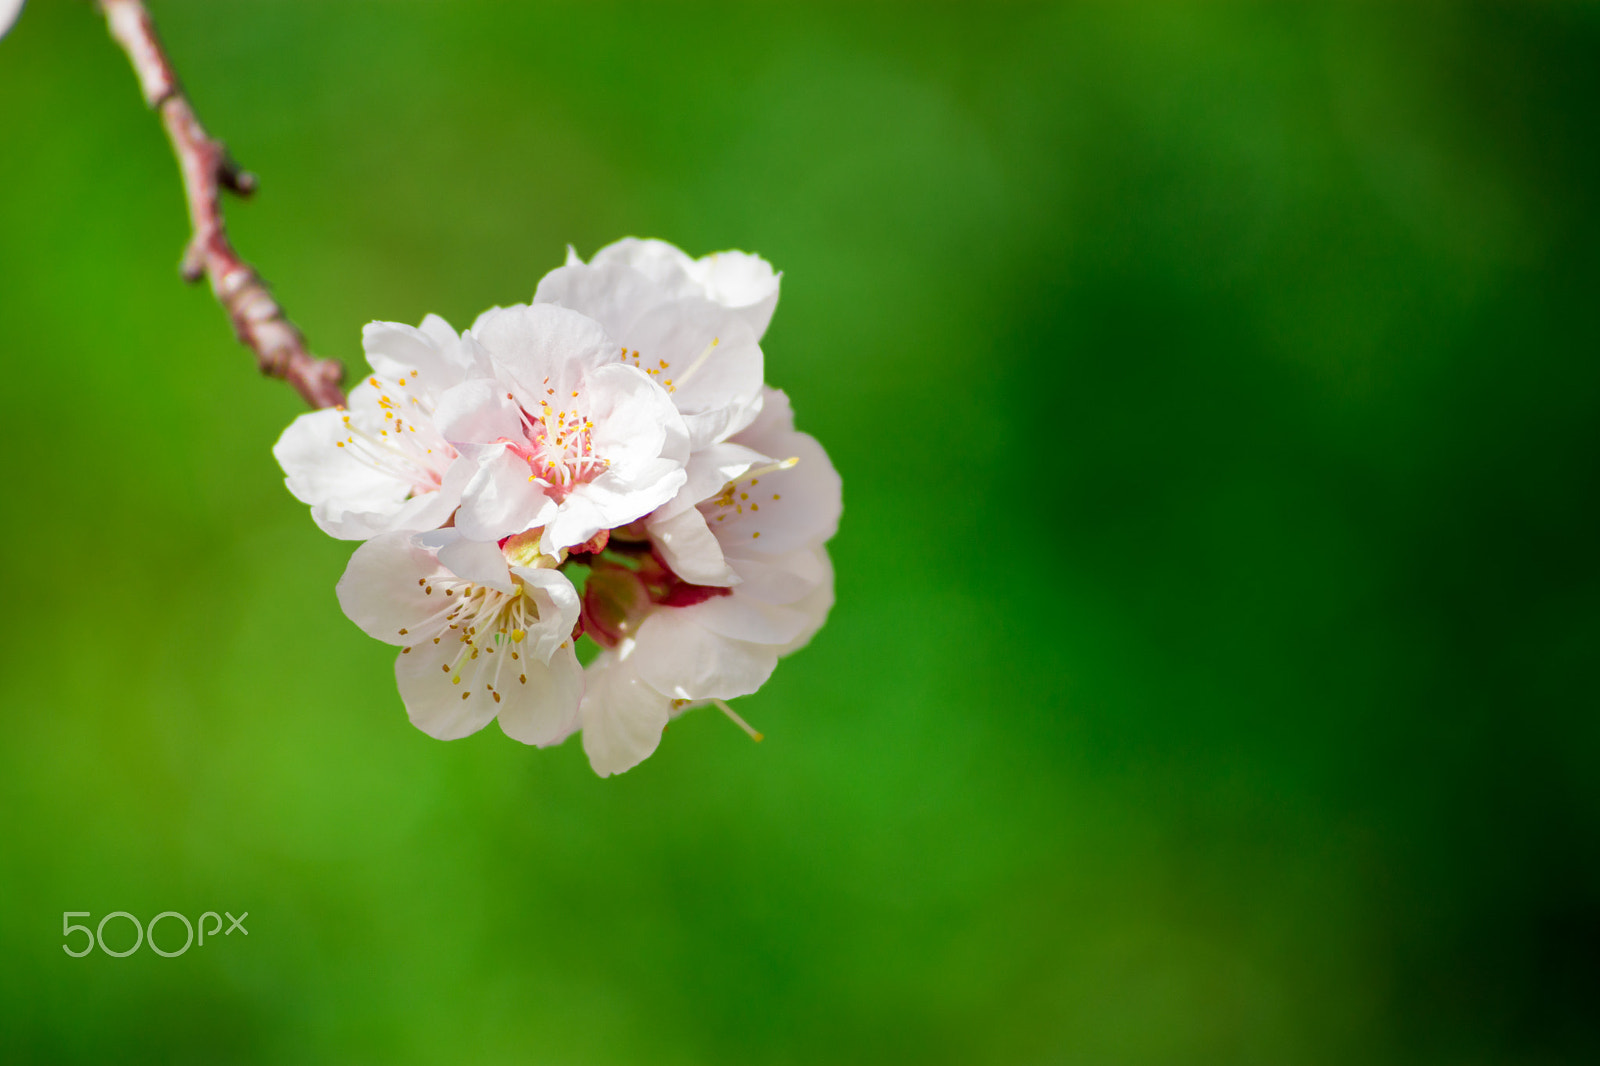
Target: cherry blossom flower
{"type": "Point", "coordinates": [564, 434]}
{"type": "Point", "coordinates": [529, 419]}
{"type": "Point", "coordinates": [672, 643]}
{"type": "Point", "coordinates": [692, 324]}
{"type": "Point", "coordinates": [484, 631]}
{"type": "Point", "coordinates": [615, 431]}
{"type": "Point", "coordinates": [380, 464]}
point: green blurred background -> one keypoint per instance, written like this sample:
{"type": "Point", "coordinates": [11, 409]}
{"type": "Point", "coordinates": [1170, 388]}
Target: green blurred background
{"type": "Point", "coordinates": [1213, 673]}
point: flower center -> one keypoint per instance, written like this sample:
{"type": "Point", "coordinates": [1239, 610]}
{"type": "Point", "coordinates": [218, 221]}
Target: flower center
{"type": "Point", "coordinates": [736, 496]}
{"type": "Point", "coordinates": [396, 448]}
{"type": "Point", "coordinates": [484, 621]}
{"type": "Point", "coordinates": [559, 448]}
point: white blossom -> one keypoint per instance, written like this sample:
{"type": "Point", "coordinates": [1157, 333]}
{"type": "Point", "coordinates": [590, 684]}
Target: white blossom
{"type": "Point", "coordinates": [484, 632]}
{"type": "Point", "coordinates": [619, 421]}
{"type": "Point", "coordinates": [672, 643]}
{"type": "Point", "coordinates": [380, 463]}
{"type": "Point", "coordinates": [564, 433]}
{"type": "Point", "coordinates": [692, 324]}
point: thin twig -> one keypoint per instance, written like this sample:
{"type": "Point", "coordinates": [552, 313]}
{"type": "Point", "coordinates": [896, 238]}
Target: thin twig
{"type": "Point", "coordinates": [257, 319]}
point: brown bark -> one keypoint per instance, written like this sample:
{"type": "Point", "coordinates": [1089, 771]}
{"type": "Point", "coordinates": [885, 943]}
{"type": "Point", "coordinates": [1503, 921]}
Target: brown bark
{"type": "Point", "coordinates": [258, 320]}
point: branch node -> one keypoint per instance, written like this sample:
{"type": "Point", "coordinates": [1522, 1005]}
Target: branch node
{"type": "Point", "coordinates": [240, 182]}
{"type": "Point", "coordinates": [193, 266]}
{"type": "Point", "coordinates": [207, 169]}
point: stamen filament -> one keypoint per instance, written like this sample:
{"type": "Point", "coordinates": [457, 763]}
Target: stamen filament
{"type": "Point", "coordinates": [699, 361]}
{"type": "Point", "coordinates": [740, 722]}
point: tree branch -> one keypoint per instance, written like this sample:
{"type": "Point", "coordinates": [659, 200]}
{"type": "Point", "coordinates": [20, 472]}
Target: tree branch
{"type": "Point", "coordinates": [259, 322]}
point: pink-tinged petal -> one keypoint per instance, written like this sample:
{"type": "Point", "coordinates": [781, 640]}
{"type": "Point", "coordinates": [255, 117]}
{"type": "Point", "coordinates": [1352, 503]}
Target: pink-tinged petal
{"type": "Point", "coordinates": [448, 693]}
{"type": "Point", "coordinates": [782, 579]}
{"type": "Point", "coordinates": [544, 709]}
{"type": "Point", "coordinates": [556, 602]}
{"type": "Point", "coordinates": [707, 358]}
{"type": "Point", "coordinates": [543, 349]}
{"type": "Point", "coordinates": [478, 411]}
{"type": "Point", "coordinates": [688, 547]}
{"type": "Point", "coordinates": [815, 606]}
{"type": "Point", "coordinates": [742, 618]}
{"type": "Point", "coordinates": [383, 588]}
{"type": "Point", "coordinates": [479, 562]}
{"type": "Point", "coordinates": [684, 660]}
{"type": "Point", "coordinates": [500, 500]}
{"type": "Point", "coordinates": [622, 717]}
{"type": "Point", "coordinates": [782, 510]}
{"type": "Point", "coordinates": [773, 425]}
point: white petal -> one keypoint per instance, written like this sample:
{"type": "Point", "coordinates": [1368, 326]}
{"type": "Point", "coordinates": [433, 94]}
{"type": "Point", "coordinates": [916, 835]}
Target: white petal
{"type": "Point", "coordinates": [687, 661]}
{"type": "Point", "coordinates": [662, 263]}
{"type": "Point", "coordinates": [543, 709]}
{"type": "Point", "coordinates": [428, 510]}
{"type": "Point", "coordinates": [476, 561]}
{"type": "Point", "coordinates": [379, 590]}
{"type": "Point", "coordinates": [622, 717]}
{"type": "Point", "coordinates": [815, 606]}
{"type": "Point", "coordinates": [712, 362]}
{"type": "Point", "coordinates": [9, 10]}
{"type": "Point", "coordinates": [575, 521]}
{"type": "Point", "coordinates": [782, 578]}
{"type": "Point", "coordinates": [610, 501]}
{"type": "Point", "coordinates": [432, 354]}
{"type": "Point", "coordinates": [634, 418]}
{"type": "Point", "coordinates": [614, 295]}
{"type": "Point", "coordinates": [500, 500]}
{"type": "Point", "coordinates": [441, 706]}
{"type": "Point", "coordinates": [330, 478]}
{"type": "Point", "coordinates": [707, 471]}
{"type": "Point", "coordinates": [746, 619]}
{"type": "Point", "coordinates": [557, 604]}
{"type": "Point", "coordinates": [478, 411]}
{"type": "Point", "coordinates": [689, 549]}
{"type": "Point", "coordinates": [738, 280]}
{"type": "Point", "coordinates": [543, 347]}
{"type": "Point", "coordinates": [798, 507]}
{"type": "Point", "coordinates": [742, 281]}
{"type": "Point", "coordinates": [439, 331]}
{"type": "Point", "coordinates": [357, 490]}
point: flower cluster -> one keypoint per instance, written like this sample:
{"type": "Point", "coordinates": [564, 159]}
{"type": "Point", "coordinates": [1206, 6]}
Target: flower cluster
{"type": "Point", "coordinates": [605, 461]}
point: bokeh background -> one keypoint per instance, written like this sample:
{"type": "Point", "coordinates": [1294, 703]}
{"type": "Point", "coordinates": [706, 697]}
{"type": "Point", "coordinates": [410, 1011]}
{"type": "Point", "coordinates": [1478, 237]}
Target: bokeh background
{"type": "Point", "coordinates": [1213, 673]}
